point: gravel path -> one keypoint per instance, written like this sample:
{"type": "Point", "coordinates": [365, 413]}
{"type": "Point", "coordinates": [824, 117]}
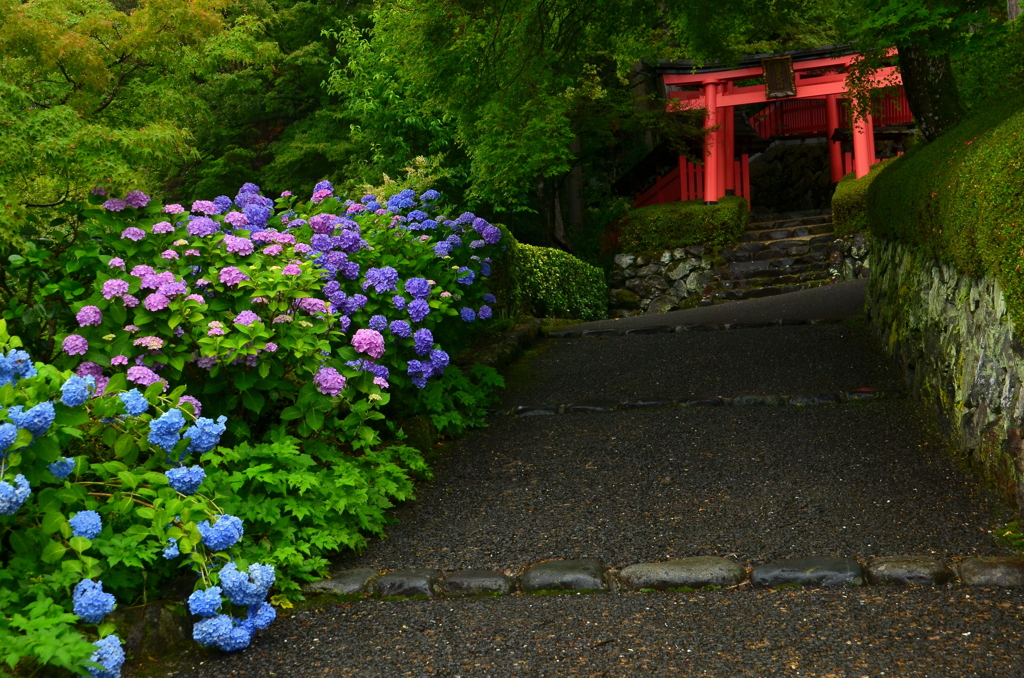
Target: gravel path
{"type": "Point", "coordinates": [753, 483]}
{"type": "Point", "coordinates": [908, 633]}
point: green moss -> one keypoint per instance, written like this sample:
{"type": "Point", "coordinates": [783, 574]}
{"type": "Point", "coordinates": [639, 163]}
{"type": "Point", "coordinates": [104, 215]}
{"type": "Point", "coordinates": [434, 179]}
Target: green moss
{"type": "Point", "coordinates": [848, 215]}
{"type": "Point", "coordinates": [549, 283]}
{"type": "Point", "coordinates": [679, 224]}
{"type": "Point", "coordinates": [961, 198]}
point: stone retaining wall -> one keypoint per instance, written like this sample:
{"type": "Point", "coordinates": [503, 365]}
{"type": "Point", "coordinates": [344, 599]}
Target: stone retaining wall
{"type": "Point", "coordinates": [952, 336]}
{"type": "Point", "coordinates": [656, 284]}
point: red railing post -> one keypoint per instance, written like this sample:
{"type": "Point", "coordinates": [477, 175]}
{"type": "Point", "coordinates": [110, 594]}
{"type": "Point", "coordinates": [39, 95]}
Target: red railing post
{"type": "Point", "coordinates": [835, 150]}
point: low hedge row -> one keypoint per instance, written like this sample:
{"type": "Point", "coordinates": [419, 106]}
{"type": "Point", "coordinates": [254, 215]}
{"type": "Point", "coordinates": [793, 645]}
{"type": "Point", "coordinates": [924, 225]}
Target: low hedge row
{"type": "Point", "coordinates": [962, 197]}
{"type": "Point", "coordinates": [679, 224]}
{"type": "Point", "coordinates": [848, 202]}
{"type": "Point", "coordinates": [548, 282]}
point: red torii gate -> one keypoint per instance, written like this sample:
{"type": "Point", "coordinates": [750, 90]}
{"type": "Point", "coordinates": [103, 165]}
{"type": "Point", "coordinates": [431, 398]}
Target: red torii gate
{"type": "Point", "coordinates": [719, 93]}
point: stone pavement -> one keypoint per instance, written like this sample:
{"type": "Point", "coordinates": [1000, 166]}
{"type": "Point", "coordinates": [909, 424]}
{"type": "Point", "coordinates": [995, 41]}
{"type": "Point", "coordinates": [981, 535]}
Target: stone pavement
{"type": "Point", "coordinates": [705, 503]}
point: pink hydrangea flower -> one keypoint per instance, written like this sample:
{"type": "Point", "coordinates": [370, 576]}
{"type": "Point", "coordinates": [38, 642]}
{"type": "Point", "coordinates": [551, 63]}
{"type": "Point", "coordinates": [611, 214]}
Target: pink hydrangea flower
{"type": "Point", "coordinates": [205, 207]}
{"type": "Point", "coordinates": [215, 329]}
{"type": "Point", "coordinates": [114, 287]}
{"type": "Point", "coordinates": [163, 227]}
{"type": "Point", "coordinates": [230, 276]}
{"type": "Point", "coordinates": [380, 381]}
{"type": "Point", "coordinates": [445, 295]}
{"type": "Point", "coordinates": [173, 208]}
{"type": "Point", "coordinates": [152, 343]}
{"type": "Point", "coordinates": [131, 328]}
{"type": "Point", "coordinates": [169, 254]}
{"type": "Point", "coordinates": [130, 301]}
{"type": "Point", "coordinates": [191, 253]}
{"type": "Point", "coordinates": [286, 194]}
{"type": "Point", "coordinates": [197, 407]}
{"type": "Point", "coordinates": [198, 298]}
{"type": "Point", "coordinates": [329, 381]}
{"type": "Point", "coordinates": [116, 262]}
{"type": "Point", "coordinates": [75, 344]}
{"type": "Point", "coordinates": [259, 300]}
{"type": "Point", "coordinates": [322, 195]}
{"type": "Point", "coordinates": [144, 376]}
{"type": "Point", "coordinates": [156, 302]}
{"type": "Point", "coordinates": [370, 342]}
{"type": "Point", "coordinates": [89, 315]}
{"type": "Point", "coordinates": [153, 281]}
{"type": "Point", "coordinates": [236, 219]}
{"type": "Point", "coordinates": [312, 305]}
{"type": "Point", "coordinates": [142, 271]}
{"type": "Point", "coordinates": [273, 250]}
{"type": "Point", "coordinates": [133, 233]}
{"type": "Point", "coordinates": [202, 282]}
{"type": "Point", "coordinates": [119, 360]}
{"type": "Point", "coordinates": [271, 347]}
{"type": "Point", "coordinates": [173, 289]}
{"type": "Point", "coordinates": [354, 208]}
{"type": "Point", "coordinates": [247, 318]}
{"type": "Point", "coordinates": [302, 248]}
{"type": "Point", "coordinates": [284, 238]}
{"type": "Point", "coordinates": [240, 246]}
{"type": "Point", "coordinates": [291, 269]}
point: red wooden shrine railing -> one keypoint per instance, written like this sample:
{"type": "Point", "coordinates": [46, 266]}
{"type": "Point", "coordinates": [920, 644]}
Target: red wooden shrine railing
{"type": "Point", "coordinates": [686, 182]}
{"type": "Point", "coordinates": [809, 116]}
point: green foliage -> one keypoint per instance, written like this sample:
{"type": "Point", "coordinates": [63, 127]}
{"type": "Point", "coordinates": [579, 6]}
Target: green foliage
{"type": "Point", "coordinates": [302, 503]}
{"type": "Point", "coordinates": [997, 69]}
{"type": "Point", "coordinates": [960, 197]}
{"type": "Point", "coordinates": [678, 224]}
{"type": "Point", "coordinates": [547, 282]}
{"type": "Point", "coordinates": [848, 202]}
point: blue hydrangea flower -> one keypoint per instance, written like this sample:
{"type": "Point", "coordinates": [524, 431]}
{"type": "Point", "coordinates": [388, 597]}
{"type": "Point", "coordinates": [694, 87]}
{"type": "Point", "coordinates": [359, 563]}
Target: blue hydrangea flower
{"type": "Point", "coordinates": [484, 313]}
{"type": "Point", "coordinates": [223, 203]}
{"type": "Point", "coordinates": [223, 632]}
{"type": "Point", "coordinates": [367, 199]}
{"type": "Point", "coordinates": [490, 298]}
{"type": "Point", "coordinates": [465, 218]}
{"type": "Point", "coordinates": [419, 288]}
{"type": "Point", "coordinates": [485, 269]}
{"type": "Point", "coordinates": [260, 617]}
{"type": "Point", "coordinates": [398, 302]}
{"type": "Point", "coordinates": [37, 419]}
{"type": "Point", "coordinates": [384, 279]}
{"type": "Point", "coordinates": [418, 310]}
{"type": "Point", "coordinates": [16, 365]}
{"type": "Point", "coordinates": [76, 390]}
{"type": "Point", "coordinates": [91, 603]}
{"type": "Point", "coordinates": [171, 551]}
{"type": "Point", "coordinates": [61, 468]}
{"type": "Point", "coordinates": [257, 216]}
{"type": "Point", "coordinates": [186, 480]}
{"type": "Point", "coordinates": [205, 434]}
{"type": "Point", "coordinates": [373, 206]}
{"type": "Point", "coordinates": [13, 496]}
{"type": "Point", "coordinates": [378, 370]}
{"type": "Point", "coordinates": [439, 360]}
{"type": "Point", "coordinates": [476, 244]}
{"type": "Point", "coordinates": [86, 524]}
{"type": "Point", "coordinates": [205, 603]}
{"type": "Point", "coordinates": [467, 314]}
{"type": "Point", "coordinates": [8, 434]}
{"type": "Point", "coordinates": [164, 431]}
{"type": "Point", "coordinates": [323, 186]}
{"type": "Point", "coordinates": [423, 341]}
{"type": "Point", "coordinates": [417, 215]}
{"type": "Point", "coordinates": [134, 402]}
{"type": "Point", "coordinates": [378, 323]}
{"type": "Point", "coordinates": [249, 587]}
{"type": "Point", "coordinates": [223, 534]}
{"type": "Point", "coordinates": [430, 196]}
{"type": "Point", "coordinates": [466, 276]}
{"type": "Point", "coordinates": [109, 655]}
{"type": "Point", "coordinates": [442, 249]}
{"type": "Point", "coordinates": [454, 240]}
{"type": "Point", "coordinates": [400, 328]}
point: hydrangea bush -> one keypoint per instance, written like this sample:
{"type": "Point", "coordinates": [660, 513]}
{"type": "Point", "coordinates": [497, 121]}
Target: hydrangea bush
{"type": "Point", "coordinates": [99, 483]}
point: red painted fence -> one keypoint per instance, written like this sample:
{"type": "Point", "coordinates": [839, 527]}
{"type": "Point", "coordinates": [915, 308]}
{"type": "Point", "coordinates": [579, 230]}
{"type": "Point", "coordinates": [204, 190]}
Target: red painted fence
{"type": "Point", "coordinates": [808, 116]}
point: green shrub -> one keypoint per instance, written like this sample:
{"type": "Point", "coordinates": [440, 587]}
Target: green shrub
{"type": "Point", "coordinates": [961, 197]}
{"type": "Point", "coordinates": [550, 283]}
{"type": "Point", "coordinates": [678, 224]}
{"type": "Point", "coordinates": [848, 215]}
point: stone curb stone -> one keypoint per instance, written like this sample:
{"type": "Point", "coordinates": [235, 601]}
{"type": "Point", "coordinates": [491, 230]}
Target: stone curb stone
{"type": "Point", "coordinates": [600, 333]}
{"type": "Point", "coordinates": [814, 399]}
{"type": "Point", "coordinates": [692, 572]}
{"type": "Point", "coordinates": [586, 574]}
{"type": "Point", "coordinates": [592, 406]}
{"type": "Point", "coordinates": [993, 571]}
{"type": "Point", "coordinates": [908, 571]}
{"type": "Point", "coordinates": [407, 583]}
{"type": "Point", "coordinates": [643, 403]}
{"type": "Point", "coordinates": [528, 411]}
{"type": "Point", "coordinates": [344, 583]}
{"type": "Point", "coordinates": [656, 329]}
{"type": "Point", "coordinates": [809, 571]}
{"type": "Point", "coordinates": [477, 583]}
{"type": "Point", "coordinates": [709, 401]}
{"type": "Point", "coordinates": [756, 400]}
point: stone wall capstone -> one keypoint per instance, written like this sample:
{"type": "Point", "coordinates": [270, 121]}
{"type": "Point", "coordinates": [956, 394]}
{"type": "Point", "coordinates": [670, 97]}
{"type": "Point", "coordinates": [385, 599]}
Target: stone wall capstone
{"type": "Point", "coordinates": [953, 338]}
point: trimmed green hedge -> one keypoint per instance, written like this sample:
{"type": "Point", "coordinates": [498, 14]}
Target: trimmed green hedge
{"type": "Point", "coordinates": [549, 283]}
{"type": "Point", "coordinates": [678, 224]}
{"type": "Point", "coordinates": [848, 202]}
{"type": "Point", "coordinates": [961, 197]}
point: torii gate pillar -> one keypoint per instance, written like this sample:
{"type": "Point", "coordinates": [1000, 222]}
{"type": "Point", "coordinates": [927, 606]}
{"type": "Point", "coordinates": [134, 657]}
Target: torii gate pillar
{"type": "Point", "coordinates": [835, 148]}
{"type": "Point", "coordinates": [713, 155]}
{"type": "Point", "coordinates": [863, 143]}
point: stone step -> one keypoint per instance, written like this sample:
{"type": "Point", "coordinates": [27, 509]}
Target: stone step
{"type": "Point", "coordinates": [785, 233]}
{"type": "Point", "coordinates": [788, 223]}
{"type": "Point", "coordinates": [799, 251]}
{"type": "Point", "coordinates": [770, 268]}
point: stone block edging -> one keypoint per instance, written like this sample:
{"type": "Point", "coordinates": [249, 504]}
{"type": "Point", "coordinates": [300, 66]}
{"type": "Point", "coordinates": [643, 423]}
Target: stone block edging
{"type": "Point", "coordinates": [700, 327]}
{"type": "Point", "coordinates": [685, 574]}
{"type": "Point", "coordinates": [746, 400]}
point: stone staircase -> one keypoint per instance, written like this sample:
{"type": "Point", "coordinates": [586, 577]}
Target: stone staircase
{"type": "Point", "coordinates": [788, 253]}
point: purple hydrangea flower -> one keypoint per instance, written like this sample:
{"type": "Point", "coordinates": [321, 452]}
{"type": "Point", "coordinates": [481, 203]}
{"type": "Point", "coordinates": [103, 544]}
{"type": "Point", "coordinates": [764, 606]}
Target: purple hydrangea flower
{"type": "Point", "coordinates": [418, 310]}
{"type": "Point", "coordinates": [378, 323]}
{"type": "Point", "coordinates": [240, 246]}
{"type": "Point", "coordinates": [439, 360]}
{"type": "Point", "coordinates": [247, 318]}
{"type": "Point", "coordinates": [419, 288]}
{"type": "Point", "coordinates": [143, 376]}
{"type": "Point", "coordinates": [223, 203]}
{"type": "Point", "coordinates": [173, 208]}
{"type": "Point", "coordinates": [383, 279]}
{"type": "Point", "coordinates": [197, 407]}
{"type": "Point", "coordinates": [484, 313]}
{"type": "Point", "coordinates": [400, 328]}
{"type": "Point", "coordinates": [132, 233]}
{"type": "Point", "coordinates": [203, 226]}
{"type": "Point", "coordinates": [370, 342]}
{"type": "Point", "coordinates": [115, 205]}
{"type": "Point", "coordinates": [236, 219]}
{"type": "Point", "coordinates": [230, 276]}
{"type": "Point", "coordinates": [205, 207]}
{"type": "Point", "coordinates": [89, 315]}
{"type": "Point", "coordinates": [75, 344]}
{"type": "Point", "coordinates": [430, 196]}
{"type": "Point", "coordinates": [136, 199]}
{"type": "Point", "coordinates": [423, 341]}
{"type": "Point", "coordinates": [398, 302]}
{"type": "Point", "coordinates": [491, 235]}
{"type": "Point", "coordinates": [442, 249]}
{"type": "Point", "coordinates": [465, 218]}
{"type": "Point", "coordinates": [329, 381]}
{"type": "Point", "coordinates": [156, 302]}
{"type": "Point", "coordinates": [162, 227]}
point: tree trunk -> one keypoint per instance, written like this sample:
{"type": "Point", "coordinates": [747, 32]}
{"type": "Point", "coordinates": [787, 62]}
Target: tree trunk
{"type": "Point", "coordinates": [551, 213]}
{"type": "Point", "coordinates": [574, 190]}
{"type": "Point", "coordinates": [1012, 9]}
{"type": "Point", "coordinates": [931, 90]}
